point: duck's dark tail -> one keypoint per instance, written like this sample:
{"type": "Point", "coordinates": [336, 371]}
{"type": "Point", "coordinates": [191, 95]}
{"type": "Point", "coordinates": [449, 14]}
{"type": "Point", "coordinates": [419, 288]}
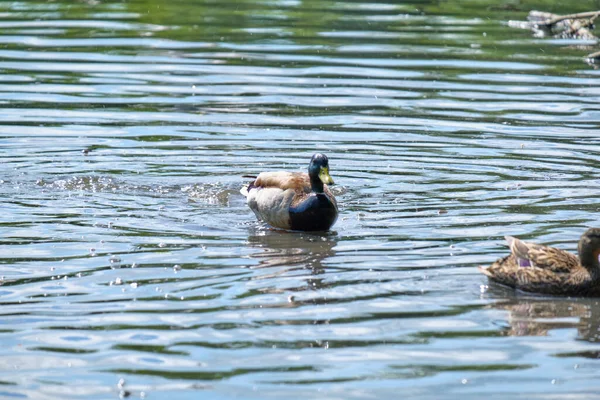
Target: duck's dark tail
{"type": "Point", "coordinates": [246, 188]}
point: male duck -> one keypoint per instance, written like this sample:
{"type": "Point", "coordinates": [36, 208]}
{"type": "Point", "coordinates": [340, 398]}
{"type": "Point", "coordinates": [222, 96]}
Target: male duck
{"type": "Point", "coordinates": [542, 269]}
{"type": "Point", "coordinates": [295, 200]}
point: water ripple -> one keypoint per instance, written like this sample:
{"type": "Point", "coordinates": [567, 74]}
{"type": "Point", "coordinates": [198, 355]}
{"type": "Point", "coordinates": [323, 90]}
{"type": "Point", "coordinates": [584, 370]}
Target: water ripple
{"type": "Point", "coordinates": [131, 266]}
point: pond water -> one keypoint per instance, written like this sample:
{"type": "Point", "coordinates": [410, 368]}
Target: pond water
{"type": "Point", "coordinates": [132, 267]}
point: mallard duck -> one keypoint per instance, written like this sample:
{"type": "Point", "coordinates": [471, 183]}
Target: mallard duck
{"type": "Point", "coordinates": [542, 269]}
{"type": "Point", "coordinates": [295, 200]}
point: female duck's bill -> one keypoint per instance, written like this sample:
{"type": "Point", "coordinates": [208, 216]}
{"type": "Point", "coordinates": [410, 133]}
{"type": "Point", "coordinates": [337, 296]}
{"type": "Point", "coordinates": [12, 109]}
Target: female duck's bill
{"type": "Point", "coordinates": [294, 200]}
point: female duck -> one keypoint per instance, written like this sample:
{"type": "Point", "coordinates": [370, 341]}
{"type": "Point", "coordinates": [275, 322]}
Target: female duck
{"type": "Point", "coordinates": [542, 269]}
{"type": "Point", "coordinates": [295, 200]}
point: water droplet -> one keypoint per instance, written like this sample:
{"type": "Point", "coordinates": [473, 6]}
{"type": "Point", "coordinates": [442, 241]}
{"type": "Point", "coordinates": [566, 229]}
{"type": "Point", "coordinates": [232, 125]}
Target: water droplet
{"type": "Point", "coordinates": [176, 268]}
{"type": "Point", "coordinates": [115, 262]}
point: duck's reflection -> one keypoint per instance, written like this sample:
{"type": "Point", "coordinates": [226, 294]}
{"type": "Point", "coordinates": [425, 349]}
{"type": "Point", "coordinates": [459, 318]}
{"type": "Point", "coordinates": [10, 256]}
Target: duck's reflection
{"type": "Point", "coordinates": [293, 251]}
{"type": "Point", "coordinates": [533, 317]}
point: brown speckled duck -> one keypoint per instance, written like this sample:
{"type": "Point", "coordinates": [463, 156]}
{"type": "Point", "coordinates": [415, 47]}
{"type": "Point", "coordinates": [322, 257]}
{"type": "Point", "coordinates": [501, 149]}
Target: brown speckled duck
{"type": "Point", "coordinates": [541, 269]}
{"type": "Point", "coordinates": [295, 200]}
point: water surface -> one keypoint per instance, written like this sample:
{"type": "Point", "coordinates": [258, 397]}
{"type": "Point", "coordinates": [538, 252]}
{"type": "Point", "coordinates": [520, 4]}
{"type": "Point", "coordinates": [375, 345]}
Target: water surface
{"type": "Point", "coordinates": [131, 266]}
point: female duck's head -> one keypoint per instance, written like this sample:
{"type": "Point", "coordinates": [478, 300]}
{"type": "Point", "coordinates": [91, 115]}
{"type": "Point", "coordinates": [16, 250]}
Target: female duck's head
{"type": "Point", "coordinates": [318, 171]}
{"type": "Point", "coordinates": [589, 250]}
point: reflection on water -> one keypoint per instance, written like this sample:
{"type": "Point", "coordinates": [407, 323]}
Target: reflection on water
{"type": "Point", "coordinates": [539, 317]}
{"type": "Point", "coordinates": [127, 252]}
{"type": "Point", "coordinates": [292, 249]}
{"type": "Point", "coordinates": [294, 253]}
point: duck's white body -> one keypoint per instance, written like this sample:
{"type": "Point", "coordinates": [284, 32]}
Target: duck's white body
{"type": "Point", "coordinates": [270, 204]}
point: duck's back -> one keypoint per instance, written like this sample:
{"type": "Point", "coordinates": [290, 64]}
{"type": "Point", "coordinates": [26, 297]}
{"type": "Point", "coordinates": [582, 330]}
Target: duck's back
{"type": "Point", "coordinates": [297, 181]}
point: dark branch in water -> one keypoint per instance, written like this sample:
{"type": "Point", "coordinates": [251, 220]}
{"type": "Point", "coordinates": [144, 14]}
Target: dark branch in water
{"type": "Point", "coordinates": [592, 57]}
{"type": "Point", "coordinates": [589, 14]}
{"type": "Point", "coordinates": [570, 26]}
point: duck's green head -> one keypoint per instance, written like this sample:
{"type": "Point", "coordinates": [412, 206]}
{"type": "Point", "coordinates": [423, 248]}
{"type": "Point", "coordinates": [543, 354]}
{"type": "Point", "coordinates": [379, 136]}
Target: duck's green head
{"type": "Point", "coordinates": [319, 169]}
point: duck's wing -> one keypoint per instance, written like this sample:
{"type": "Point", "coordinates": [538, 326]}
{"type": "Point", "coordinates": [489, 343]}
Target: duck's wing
{"type": "Point", "coordinates": [536, 268]}
{"type": "Point", "coordinates": [536, 280]}
{"type": "Point", "coordinates": [297, 181]}
{"type": "Point", "coordinates": [278, 180]}
{"type": "Point", "coordinates": [542, 257]}
{"type": "Point", "coordinates": [271, 194]}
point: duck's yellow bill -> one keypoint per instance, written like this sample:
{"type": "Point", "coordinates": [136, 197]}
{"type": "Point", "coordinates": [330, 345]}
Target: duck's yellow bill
{"type": "Point", "coordinates": [324, 176]}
